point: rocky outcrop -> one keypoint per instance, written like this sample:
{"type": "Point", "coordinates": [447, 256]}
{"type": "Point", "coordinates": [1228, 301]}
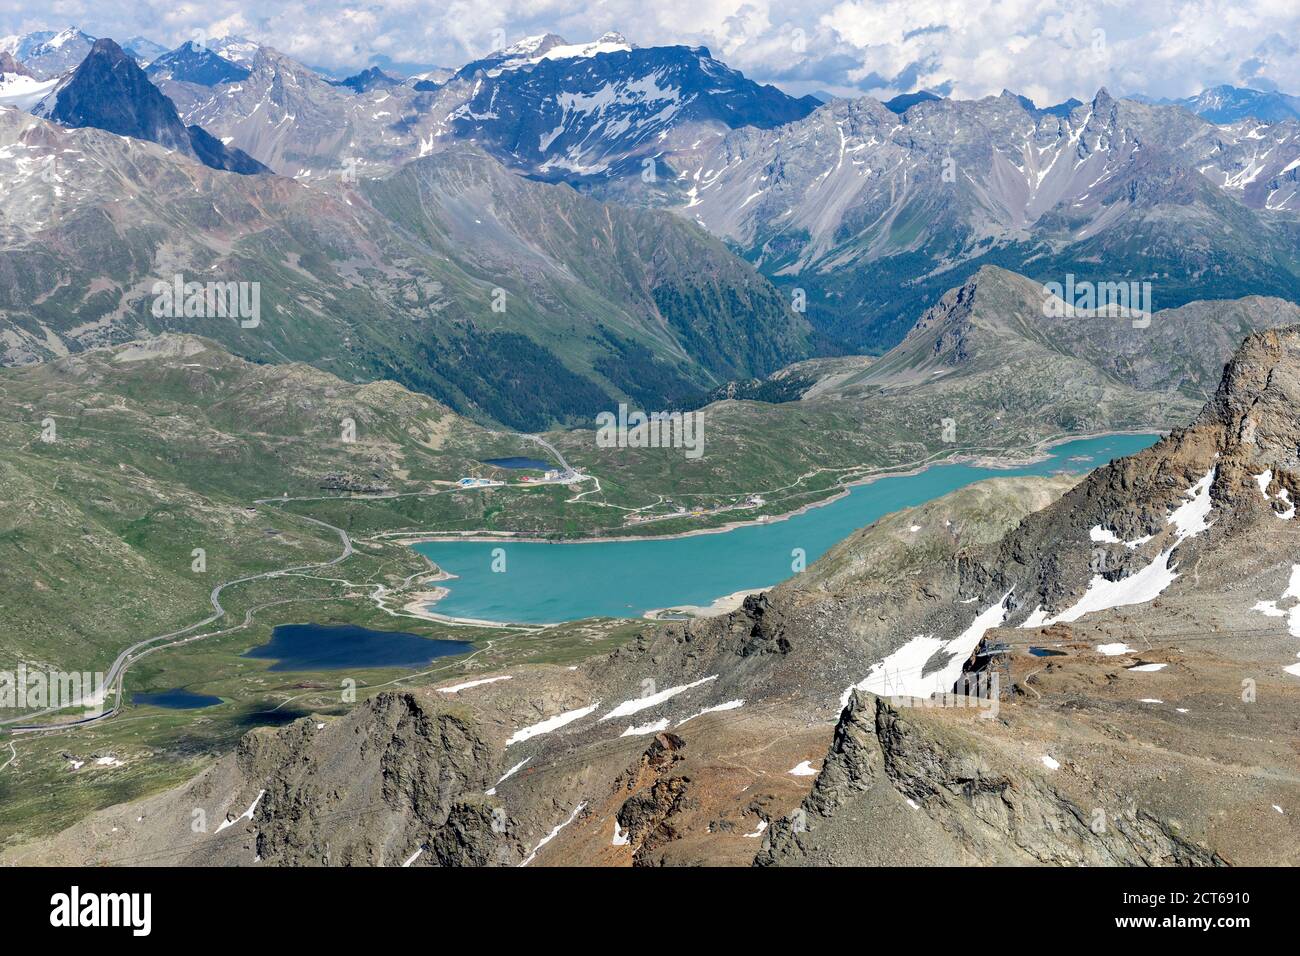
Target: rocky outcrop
{"type": "Point", "coordinates": [1249, 427]}
{"type": "Point", "coordinates": [647, 818]}
{"type": "Point", "coordinates": [401, 773]}
{"type": "Point", "coordinates": [476, 833]}
{"type": "Point", "coordinates": [767, 633]}
{"type": "Point", "coordinates": [8, 65]}
{"type": "Point", "coordinates": [987, 812]}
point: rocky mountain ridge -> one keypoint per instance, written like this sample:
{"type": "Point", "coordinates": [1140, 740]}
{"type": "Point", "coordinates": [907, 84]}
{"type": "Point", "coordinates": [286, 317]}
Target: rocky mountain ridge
{"type": "Point", "coordinates": [855, 202]}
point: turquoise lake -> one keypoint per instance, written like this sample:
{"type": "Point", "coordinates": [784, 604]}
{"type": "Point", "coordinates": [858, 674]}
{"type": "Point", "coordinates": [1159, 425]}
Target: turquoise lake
{"type": "Point", "coordinates": [547, 583]}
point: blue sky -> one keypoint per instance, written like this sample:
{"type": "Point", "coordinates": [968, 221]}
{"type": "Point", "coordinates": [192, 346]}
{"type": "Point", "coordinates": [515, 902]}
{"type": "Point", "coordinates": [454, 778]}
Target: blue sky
{"type": "Point", "coordinates": [1046, 49]}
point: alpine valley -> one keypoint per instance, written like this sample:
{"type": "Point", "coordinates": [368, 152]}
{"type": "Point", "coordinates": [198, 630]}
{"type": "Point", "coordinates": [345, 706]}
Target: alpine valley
{"type": "Point", "coordinates": [983, 393]}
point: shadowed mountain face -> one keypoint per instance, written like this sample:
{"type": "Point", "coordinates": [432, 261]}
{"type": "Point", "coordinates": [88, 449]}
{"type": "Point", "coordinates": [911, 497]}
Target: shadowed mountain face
{"type": "Point", "coordinates": [602, 113]}
{"type": "Point", "coordinates": [191, 63]}
{"type": "Point", "coordinates": [367, 80]}
{"type": "Point", "coordinates": [109, 91]}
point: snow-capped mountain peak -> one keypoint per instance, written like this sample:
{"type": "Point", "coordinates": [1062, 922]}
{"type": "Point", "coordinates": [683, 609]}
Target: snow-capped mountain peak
{"type": "Point", "coordinates": [532, 46]}
{"type": "Point", "coordinates": [48, 53]}
{"type": "Point", "coordinates": [64, 36]}
{"type": "Point", "coordinates": [1225, 104]}
{"type": "Point", "coordinates": [235, 48]}
{"type": "Point", "coordinates": [548, 46]}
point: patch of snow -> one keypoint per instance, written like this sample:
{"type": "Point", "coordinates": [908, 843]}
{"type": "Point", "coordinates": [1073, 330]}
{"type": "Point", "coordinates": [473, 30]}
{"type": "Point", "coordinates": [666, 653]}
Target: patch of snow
{"type": "Point", "coordinates": [1037, 618]}
{"type": "Point", "coordinates": [552, 723]}
{"type": "Point", "coordinates": [653, 728]}
{"type": "Point", "coordinates": [637, 704]}
{"type": "Point", "coordinates": [1147, 668]}
{"type": "Point", "coordinates": [1293, 583]}
{"type": "Point", "coordinates": [412, 858]}
{"type": "Point", "coordinates": [1189, 518]}
{"type": "Point", "coordinates": [900, 674]}
{"type": "Point", "coordinates": [24, 92]}
{"type": "Point", "coordinates": [1138, 588]}
{"type": "Point", "coordinates": [457, 688]}
{"type": "Point", "coordinates": [507, 775]}
{"type": "Point", "coordinates": [1285, 496]}
{"type": "Point", "coordinates": [804, 769]}
{"type": "Point", "coordinates": [1113, 650]}
{"type": "Point", "coordinates": [729, 705]}
{"type": "Point", "coordinates": [1103, 535]}
{"type": "Point", "coordinates": [620, 836]}
{"type": "Point", "coordinates": [1050, 763]}
{"type": "Point", "coordinates": [554, 833]}
{"type": "Point", "coordinates": [889, 675]}
{"type": "Point", "coordinates": [762, 825]}
{"type": "Point", "coordinates": [246, 815]}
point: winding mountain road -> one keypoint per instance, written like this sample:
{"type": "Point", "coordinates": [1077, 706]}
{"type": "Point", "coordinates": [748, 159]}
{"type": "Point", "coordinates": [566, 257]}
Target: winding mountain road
{"type": "Point", "coordinates": [124, 660]}
{"type": "Point", "coordinates": [552, 449]}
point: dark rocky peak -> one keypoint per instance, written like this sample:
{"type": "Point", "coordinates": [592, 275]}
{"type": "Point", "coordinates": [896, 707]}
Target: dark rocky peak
{"type": "Point", "coordinates": [191, 63]}
{"type": "Point", "coordinates": [904, 101]}
{"type": "Point", "coordinates": [109, 91]}
{"type": "Point", "coordinates": [367, 80]}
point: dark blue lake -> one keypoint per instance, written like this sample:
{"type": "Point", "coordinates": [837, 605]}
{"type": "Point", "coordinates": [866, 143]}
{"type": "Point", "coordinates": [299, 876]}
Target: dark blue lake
{"type": "Point", "coordinates": [518, 462]}
{"type": "Point", "coordinates": [178, 698]}
{"type": "Point", "coordinates": [316, 647]}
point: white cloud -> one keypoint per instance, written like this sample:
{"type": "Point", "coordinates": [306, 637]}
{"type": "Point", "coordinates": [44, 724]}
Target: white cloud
{"type": "Point", "coordinates": [1047, 49]}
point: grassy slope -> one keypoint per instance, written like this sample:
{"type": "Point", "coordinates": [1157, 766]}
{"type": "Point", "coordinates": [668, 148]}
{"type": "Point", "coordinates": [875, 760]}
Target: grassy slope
{"type": "Point", "coordinates": [392, 279]}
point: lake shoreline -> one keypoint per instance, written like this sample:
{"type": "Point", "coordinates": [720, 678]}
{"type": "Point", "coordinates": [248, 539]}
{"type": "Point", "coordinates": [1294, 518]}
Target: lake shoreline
{"type": "Point", "coordinates": [1036, 453]}
{"type": "Point", "coordinates": [675, 580]}
{"type": "Point", "coordinates": [690, 612]}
